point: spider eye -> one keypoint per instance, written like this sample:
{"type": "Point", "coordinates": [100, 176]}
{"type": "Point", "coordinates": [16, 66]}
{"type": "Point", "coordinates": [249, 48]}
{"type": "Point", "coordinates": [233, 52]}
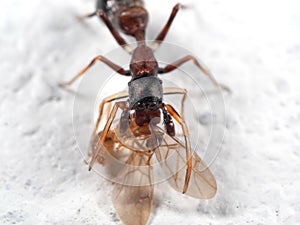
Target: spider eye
{"type": "Point", "coordinates": [152, 105]}
{"type": "Point", "coordinates": [140, 106]}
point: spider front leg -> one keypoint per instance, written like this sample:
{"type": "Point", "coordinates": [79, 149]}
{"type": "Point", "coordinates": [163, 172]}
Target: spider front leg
{"type": "Point", "coordinates": [104, 113]}
{"type": "Point", "coordinates": [169, 125]}
{"type": "Point", "coordinates": [105, 131]}
{"type": "Point", "coordinates": [189, 160]}
{"type": "Point", "coordinates": [181, 91]}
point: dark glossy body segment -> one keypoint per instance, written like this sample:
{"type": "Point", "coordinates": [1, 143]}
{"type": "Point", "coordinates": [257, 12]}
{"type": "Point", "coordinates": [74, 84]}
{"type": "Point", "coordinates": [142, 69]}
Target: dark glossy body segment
{"type": "Point", "coordinates": [113, 8]}
{"type": "Point", "coordinates": [143, 62]}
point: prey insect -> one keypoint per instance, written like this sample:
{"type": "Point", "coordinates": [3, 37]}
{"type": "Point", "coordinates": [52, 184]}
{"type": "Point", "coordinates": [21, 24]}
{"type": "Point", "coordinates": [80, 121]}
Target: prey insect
{"type": "Point", "coordinates": [145, 129]}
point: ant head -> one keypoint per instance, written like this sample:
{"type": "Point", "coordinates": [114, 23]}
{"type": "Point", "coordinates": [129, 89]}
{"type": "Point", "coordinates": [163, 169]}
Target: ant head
{"type": "Point", "coordinates": [133, 20]}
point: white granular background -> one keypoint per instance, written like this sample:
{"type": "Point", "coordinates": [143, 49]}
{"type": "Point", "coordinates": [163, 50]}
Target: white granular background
{"type": "Point", "coordinates": [251, 46]}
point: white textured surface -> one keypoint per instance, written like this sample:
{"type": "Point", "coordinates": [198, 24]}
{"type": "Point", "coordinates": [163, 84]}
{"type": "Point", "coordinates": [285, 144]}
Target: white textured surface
{"type": "Point", "coordinates": [252, 46]}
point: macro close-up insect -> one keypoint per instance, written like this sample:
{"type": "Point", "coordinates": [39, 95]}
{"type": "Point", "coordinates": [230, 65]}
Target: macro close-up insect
{"type": "Point", "coordinates": [143, 112]}
{"type": "Point", "coordinates": [146, 126]}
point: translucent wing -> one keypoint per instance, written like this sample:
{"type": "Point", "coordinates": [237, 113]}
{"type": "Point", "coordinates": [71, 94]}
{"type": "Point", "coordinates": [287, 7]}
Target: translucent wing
{"type": "Point", "coordinates": [130, 171]}
{"type": "Point", "coordinates": [171, 155]}
{"type": "Point", "coordinates": [134, 203]}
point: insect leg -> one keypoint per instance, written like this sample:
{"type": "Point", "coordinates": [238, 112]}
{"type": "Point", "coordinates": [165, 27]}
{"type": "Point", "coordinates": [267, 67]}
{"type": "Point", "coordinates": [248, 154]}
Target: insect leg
{"type": "Point", "coordinates": [178, 118]}
{"type": "Point", "coordinates": [112, 65]}
{"type": "Point", "coordinates": [170, 91]}
{"type": "Point", "coordinates": [161, 36]}
{"type": "Point", "coordinates": [114, 31]}
{"type": "Point", "coordinates": [187, 58]}
{"type": "Point", "coordinates": [106, 128]}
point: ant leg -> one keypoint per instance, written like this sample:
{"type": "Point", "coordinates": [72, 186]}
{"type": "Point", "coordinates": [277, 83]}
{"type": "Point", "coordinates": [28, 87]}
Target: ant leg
{"type": "Point", "coordinates": [161, 36]}
{"type": "Point", "coordinates": [114, 32]}
{"type": "Point", "coordinates": [105, 131]}
{"type": "Point", "coordinates": [170, 91]}
{"type": "Point", "coordinates": [112, 65]}
{"type": "Point", "coordinates": [187, 58]}
{"type": "Point", "coordinates": [179, 119]}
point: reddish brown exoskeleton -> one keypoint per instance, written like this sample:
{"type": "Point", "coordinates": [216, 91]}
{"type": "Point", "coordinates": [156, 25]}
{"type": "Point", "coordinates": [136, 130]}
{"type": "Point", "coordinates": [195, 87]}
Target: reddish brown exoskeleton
{"type": "Point", "coordinates": [136, 138]}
